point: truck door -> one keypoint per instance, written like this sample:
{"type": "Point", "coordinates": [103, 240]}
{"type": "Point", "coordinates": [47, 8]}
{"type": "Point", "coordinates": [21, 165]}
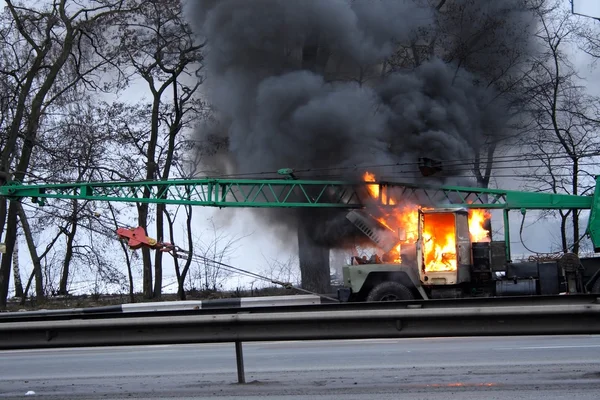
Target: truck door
{"type": "Point", "coordinates": [443, 247]}
{"type": "Point", "coordinates": [463, 247]}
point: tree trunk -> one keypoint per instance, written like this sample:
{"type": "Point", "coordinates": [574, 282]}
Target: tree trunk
{"type": "Point", "coordinates": [181, 289]}
{"type": "Point", "coordinates": [151, 168]}
{"type": "Point", "coordinates": [147, 261]}
{"type": "Point", "coordinates": [314, 259]}
{"type": "Point", "coordinates": [9, 240]}
{"type": "Point", "coordinates": [190, 248]}
{"type": "Point", "coordinates": [130, 275]}
{"type": "Point", "coordinates": [563, 232]}
{"type": "Point", "coordinates": [314, 262]}
{"type": "Point", "coordinates": [160, 209]}
{"type": "Point", "coordinates": [180, 281]}
{"type": "Point", "coordinates": [35, 259]}
{"type": "Point", "coordinates": [64, 279]}
{"type": "Point", "coordinates": [16, 272]}
{"type": "Point", "coordinates": [24, 298]}
{"type": "Point", "coordinates": [129, 272]}
{"type": "Point", "coordinates": [127, 259]}
{"type": "Point", "coordinates": [575, 216]}
{"type": "Point", "coordinates": [181, 273]}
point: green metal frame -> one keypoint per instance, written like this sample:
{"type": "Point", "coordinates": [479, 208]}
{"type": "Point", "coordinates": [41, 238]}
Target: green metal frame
{"type": "Point", "coordinates": [288, 193]}
{"type": "Point", "coordinates": [200, 192]}
{"type": "Point", "coordinates": [593, 228]}
{"type": "Point", "coordinates": [294, 193]}
{"type": "Point", "coordinates": [481, 198]}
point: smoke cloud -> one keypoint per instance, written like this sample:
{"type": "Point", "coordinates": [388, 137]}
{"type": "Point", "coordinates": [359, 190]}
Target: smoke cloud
{"type": "Point", "coordinates": [323, 84]}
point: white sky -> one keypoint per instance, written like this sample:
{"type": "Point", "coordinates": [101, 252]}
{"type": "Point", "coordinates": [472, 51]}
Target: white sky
{"type": "Point", "coordinates": [587, 7]}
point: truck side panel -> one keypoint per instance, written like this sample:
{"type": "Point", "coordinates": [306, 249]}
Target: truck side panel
{"type": "Point", "coordinates": [362, 278]}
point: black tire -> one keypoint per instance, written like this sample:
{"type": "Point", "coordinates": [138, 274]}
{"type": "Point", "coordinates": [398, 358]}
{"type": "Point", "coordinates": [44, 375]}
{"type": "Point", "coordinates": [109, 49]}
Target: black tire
{"type": "Point", "coordinates": [390, 291]}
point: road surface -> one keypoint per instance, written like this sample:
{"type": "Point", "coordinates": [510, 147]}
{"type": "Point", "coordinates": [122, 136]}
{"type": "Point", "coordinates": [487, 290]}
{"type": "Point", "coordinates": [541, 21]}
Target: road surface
{"type": "Point", "coordinates": [467, 368]}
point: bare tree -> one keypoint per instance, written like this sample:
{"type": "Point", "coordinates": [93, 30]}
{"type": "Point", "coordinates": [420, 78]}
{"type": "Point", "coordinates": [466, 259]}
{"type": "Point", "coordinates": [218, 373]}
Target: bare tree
{"type": "Point", "coordinates": [215, 247]}
{"type": "Point", "coordinates": [588, 33]}
{"type": "Point", "coordinates": [181, 271]}
{"type": "Point", "coordinates": [36, 258]}
{"type": "Point", "coordinates": [52, 50]}
{"type": "Point", "coordinates": [186, 164]}
{"type": "Point", "coordinates": [126, 253]}
{"type": "Point", "coordinates": [286, 270]}
{"type": "Point", "coordinates": [563, 129]}
{"type": "Point", "coordinates": [72, 146]}
{"type": "Point", "coordinates": [161, 49]}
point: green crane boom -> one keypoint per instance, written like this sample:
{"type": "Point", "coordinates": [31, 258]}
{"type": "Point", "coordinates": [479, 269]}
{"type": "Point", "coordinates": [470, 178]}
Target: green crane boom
{"type": "Point", "coordinates": [293, 194]}
{"type": "Point", "coordinates": [288, 193]}
{"type": "Point", "coordinates": [201, 192]}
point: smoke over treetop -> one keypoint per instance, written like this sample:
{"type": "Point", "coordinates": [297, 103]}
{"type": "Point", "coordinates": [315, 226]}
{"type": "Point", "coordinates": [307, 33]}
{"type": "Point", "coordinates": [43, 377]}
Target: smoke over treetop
{"type": "Point", "coordinates": [304, 84]}
{"type": "Point", "coordinates": [257, 34]}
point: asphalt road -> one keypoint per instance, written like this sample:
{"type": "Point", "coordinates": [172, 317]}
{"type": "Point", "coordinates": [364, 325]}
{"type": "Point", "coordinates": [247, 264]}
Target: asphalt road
{"type": "Point", "coordinates": [465, 368]}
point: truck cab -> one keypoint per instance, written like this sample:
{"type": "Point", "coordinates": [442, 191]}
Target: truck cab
{"type": "Point", "coordinates": [440, 263]}
{"type": "Point", "coordinates": [449, 258]}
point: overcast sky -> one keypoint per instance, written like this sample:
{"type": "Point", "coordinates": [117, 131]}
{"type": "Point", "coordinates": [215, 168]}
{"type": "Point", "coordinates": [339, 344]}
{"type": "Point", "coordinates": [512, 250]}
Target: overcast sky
{"type": "Point", "coordinates": [587, 7]}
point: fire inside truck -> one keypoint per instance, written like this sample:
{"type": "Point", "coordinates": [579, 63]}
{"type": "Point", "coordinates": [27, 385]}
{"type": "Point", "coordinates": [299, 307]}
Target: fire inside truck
{"type": "Point", "coordinates": [427, 252]}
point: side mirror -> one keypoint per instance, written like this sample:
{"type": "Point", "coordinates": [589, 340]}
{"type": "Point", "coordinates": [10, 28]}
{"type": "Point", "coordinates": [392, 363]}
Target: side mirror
{"type": "Point", "coordinates": [402, 234]}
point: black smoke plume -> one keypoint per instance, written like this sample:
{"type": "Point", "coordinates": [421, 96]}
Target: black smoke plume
{"type": "Point", "coordinates": [325, 85]}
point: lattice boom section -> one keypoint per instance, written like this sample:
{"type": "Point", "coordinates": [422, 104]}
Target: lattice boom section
{"type": "Point", "coordinates": [295, 193]}
{"type": "Point", "coordinates": [442, 197]}
{"type": "Point", "coordinates": [234, 193]}
{"type": "Point", "coordinates": [457, 196]}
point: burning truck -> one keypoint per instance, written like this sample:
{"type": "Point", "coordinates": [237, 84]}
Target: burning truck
{"type": "Point", "coordinates": [443, 253]}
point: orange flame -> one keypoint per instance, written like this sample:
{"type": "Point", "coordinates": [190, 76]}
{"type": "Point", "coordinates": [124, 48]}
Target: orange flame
{"type": "Point", "coordinates": [374, 189]}
{"type": "Point", "coordinates": [439, 241]}
{"type": "Point", "coordinates": [477, 222]}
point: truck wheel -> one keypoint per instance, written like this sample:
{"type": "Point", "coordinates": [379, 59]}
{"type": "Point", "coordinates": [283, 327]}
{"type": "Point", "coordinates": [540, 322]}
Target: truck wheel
{"type": "Point", "coordinates": [390, 291]}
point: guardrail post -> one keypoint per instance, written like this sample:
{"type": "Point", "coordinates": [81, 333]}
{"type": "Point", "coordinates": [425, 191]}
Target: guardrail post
{"type": "Point", "coordinates": [239, 358]}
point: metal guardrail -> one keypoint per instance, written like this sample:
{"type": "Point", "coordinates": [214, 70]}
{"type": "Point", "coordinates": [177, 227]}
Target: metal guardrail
{"type": "Point", "coordinates": [162, 306]}
{"type": "Point", "coordinates": [359, 321]}
{"type": "Point", "coordinates": [315, 325]}
{"type": "Point", "coordinates": [294, 303]}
